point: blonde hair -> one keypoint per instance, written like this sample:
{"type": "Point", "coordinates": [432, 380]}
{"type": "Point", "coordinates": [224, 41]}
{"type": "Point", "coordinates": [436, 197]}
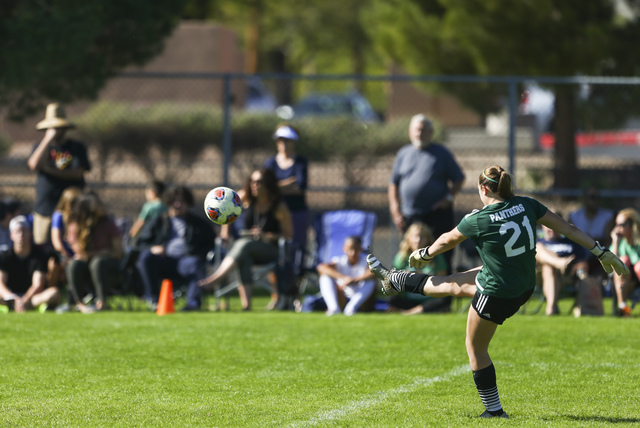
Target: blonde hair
{"type": "Point", "coordinates": [499, 181]}
{"type": "Point", "coordinates": [425, 234]}
{"type": "Point", "coordinates": [632, 215]}
{"type": "Point", "coordinates": [65, 203]}
{"type": "Point", "coordinates": [87, 212]}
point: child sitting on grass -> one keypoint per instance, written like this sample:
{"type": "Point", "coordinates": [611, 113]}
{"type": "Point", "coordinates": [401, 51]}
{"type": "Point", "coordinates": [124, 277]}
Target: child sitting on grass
{"type": "Point", "coordinates": [346, 282]}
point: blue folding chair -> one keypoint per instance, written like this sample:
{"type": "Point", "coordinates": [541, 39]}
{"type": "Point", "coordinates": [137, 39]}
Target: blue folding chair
{"type": "Point", "coordinates": [331, 229]}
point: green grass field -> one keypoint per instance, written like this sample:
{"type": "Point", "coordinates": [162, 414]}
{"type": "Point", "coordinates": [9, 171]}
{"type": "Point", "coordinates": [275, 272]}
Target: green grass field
{"type": "Point", "coordinates": [268, 369]}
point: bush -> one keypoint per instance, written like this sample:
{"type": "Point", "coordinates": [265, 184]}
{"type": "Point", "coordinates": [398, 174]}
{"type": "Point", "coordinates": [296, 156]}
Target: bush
{"type": "Point", "coordinates": [186, 130]}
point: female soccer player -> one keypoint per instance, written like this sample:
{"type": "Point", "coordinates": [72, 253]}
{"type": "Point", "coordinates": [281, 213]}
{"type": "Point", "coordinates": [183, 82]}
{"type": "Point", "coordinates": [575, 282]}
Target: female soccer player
{"type": "Point", "coordinates": [503, 231]}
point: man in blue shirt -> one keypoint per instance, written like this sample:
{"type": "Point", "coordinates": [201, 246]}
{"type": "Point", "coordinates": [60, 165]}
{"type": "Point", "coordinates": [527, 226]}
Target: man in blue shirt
{"type": "Point", "coordinates": [424, 181]}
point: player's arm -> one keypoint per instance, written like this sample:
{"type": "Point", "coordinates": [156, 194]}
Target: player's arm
{"type": "Point", "coordinates": [445, 242]}
{"type": "Point", "coordinates": [557, 223]}
{"type": "Point", "coordinates": [421, 257]}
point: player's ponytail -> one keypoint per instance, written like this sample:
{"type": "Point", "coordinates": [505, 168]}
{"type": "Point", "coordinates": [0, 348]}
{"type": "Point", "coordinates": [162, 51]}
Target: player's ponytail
{"type": "Point", "coordinates": [498, 181]}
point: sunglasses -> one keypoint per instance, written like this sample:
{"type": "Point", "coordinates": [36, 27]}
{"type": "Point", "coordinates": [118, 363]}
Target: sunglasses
{"type": "Point", "coordinates": [625, 224]}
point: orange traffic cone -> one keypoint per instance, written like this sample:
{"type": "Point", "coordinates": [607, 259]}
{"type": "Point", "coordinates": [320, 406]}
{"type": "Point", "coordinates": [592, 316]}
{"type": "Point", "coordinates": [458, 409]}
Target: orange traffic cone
{"type": "Point", "coordinates": [165, 302]}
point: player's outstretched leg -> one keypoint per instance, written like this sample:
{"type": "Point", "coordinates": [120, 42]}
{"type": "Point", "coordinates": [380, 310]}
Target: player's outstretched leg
{"type": "Point", "coordinates": [396, 281]}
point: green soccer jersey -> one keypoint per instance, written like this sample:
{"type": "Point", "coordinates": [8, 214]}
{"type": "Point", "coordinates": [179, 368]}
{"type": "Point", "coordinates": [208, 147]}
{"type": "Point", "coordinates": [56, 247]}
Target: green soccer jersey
{"type": "Point", "coordinates": [505, 236]}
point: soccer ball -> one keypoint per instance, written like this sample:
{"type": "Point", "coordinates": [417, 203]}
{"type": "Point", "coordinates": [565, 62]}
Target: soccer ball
{"type": "Point", "coordinates": [222, 205]}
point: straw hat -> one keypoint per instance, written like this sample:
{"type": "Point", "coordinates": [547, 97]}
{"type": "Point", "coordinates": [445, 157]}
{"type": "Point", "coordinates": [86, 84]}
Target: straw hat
{"type": "Point", "coordinates": [55, 117]}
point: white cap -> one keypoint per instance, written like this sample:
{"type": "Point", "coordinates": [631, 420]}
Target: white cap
{"type": "Point", "coordinates": [286, 132]}
{"type": "Point", "coordinates": [17, 222]}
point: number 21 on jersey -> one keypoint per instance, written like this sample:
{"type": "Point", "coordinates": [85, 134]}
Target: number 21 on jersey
{"type": "Point", "coordinates": [517, 230]}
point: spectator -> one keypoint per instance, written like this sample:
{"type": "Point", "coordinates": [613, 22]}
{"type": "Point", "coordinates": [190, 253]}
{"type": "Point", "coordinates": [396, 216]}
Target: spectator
{"type": "Point", "coordinates": [64, 253]}
{"type": "Point", "coordinates": [418, 235]}
{"type": "Point", "coordinates": [23, 269]}
{"type": "Point", "coordinates": [59, 220]}
{"type": "Point", "coordinates": [561, 261]}
{"type": "Point", "coordinates": [151, 208]}
{"type": "Point", "coordinates": [96, 243]}
{"type": "Point", "coordinates": [60, 163]}
{"type": "Point", "coordinates": [9, 208]}
{"type": "Point", "coordinates": [625, 243]}
{"type": "Point", "coordinates": [424, 182]}
{"type": "Point", "coordinates": [174, 245]}
{"type": "Point", "coordinates": [291, 172]}
{"type": "Point", "coordinates": [346, 282]}
{"type": "Point", "coordinates": [596, 222]}
{"type": "Point", "coordinates": [266, 218]}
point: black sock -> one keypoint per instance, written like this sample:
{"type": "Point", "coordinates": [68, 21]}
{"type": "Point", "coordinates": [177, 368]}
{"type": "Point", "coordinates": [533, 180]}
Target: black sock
{"type": "Point", "coordinates": [414, 282]}
{"type": "Point", "coordinates": [485, 380]}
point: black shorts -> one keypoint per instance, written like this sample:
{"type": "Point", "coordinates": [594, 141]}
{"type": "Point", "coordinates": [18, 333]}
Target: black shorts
{"type": "Point", "coordinates": [498, 309]}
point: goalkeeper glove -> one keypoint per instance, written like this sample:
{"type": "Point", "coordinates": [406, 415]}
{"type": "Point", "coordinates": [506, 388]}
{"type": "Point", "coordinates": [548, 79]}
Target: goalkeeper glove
{"type": "Point", "coordinates": [609, 261]}
{"type": "Point", "coordinates": [420, 258]}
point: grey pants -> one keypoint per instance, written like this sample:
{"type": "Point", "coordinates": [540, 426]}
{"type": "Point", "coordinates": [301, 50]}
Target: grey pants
{"type": "Point", "coordinates": [99, 273]}
{"type": "Point", "coordinates": [247, 251]}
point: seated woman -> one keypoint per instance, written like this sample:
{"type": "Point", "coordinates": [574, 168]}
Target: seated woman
{"type": "Point", "coordinates": [418, 235]}
{"type": "Point", "coordinates": [97, 249]}
{"type": "Point", "coordinates": [266, 219]}
{"type": "Point", "coordinates": [346, 282]}
{"type": "Point", "coordinates": [64, 253]}
{"type": "Point", "coordinates": [561, 260]}
{"type": "Point", "coordinates": [625, 243]}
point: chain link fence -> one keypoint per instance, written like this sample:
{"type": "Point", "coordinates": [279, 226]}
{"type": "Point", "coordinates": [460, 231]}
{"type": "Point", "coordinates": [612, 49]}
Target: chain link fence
{"type": "Point", "coordinates": [206, 130]}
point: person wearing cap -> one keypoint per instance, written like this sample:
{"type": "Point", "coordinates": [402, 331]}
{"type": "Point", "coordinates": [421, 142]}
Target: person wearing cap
{"type": "Point", "coordinates": [60, 163]}
{"type": "Point", "coordinates": [291, 170]}
{"type": "Point", "coordinates": [9, 208]}
{"type": "Point", "coordinates": [424, 182]}
{"type": "Point", "coordinates": [23, 270]}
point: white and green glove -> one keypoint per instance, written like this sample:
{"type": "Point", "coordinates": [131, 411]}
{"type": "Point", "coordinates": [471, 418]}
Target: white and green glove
{"type": "Point", "coordinates": [420, 258]}
{"type": "Point", "coordinates": [608, 260]}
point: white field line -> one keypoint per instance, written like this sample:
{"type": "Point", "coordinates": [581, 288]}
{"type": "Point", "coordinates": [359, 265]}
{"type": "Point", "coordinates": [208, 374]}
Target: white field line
{"type": "Point", "coordinates": [377, 398]}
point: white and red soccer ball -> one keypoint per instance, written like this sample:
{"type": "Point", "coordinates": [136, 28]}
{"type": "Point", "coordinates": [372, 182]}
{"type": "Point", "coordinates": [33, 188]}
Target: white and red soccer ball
{"type": "Point", "coordinates": [222, 205]}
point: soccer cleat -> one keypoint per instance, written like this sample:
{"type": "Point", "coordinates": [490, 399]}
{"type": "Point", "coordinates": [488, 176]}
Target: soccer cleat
{"type": "Point", "coordinates": [389, 287]}
{"type": "Point", "coordinates": [487, 415]}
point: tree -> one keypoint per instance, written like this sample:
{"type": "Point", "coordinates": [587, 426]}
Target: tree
{"type": "Point", "coordinates": [503, 37]}
{"type": "Point", "coordinates": [66, 50]}
{"type": "Point", "coordinates": [290, 36]}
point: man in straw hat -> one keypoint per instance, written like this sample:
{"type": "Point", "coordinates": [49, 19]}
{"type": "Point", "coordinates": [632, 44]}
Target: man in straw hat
{"type": "Point", "coordinates": [60, 163]}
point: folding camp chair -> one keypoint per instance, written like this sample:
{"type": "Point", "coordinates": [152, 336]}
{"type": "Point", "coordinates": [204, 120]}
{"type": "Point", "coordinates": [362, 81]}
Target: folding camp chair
{"type": "Point", "coordinates": [331, 230]}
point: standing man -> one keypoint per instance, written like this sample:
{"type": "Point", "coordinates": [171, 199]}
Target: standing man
{"type": "Point", "coordinates": [60, 163]}
{"type": "Point", "coordinates": [23, 271]}
{"type": "Point", "coordinates": [424, 181]}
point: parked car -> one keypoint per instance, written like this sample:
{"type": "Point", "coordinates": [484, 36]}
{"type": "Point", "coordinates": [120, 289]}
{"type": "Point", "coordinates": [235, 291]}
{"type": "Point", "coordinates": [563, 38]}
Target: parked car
{"type": "Point", "coordinates": [331, 104]}
{"type": "Point", "coordinates": [258, 97]}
